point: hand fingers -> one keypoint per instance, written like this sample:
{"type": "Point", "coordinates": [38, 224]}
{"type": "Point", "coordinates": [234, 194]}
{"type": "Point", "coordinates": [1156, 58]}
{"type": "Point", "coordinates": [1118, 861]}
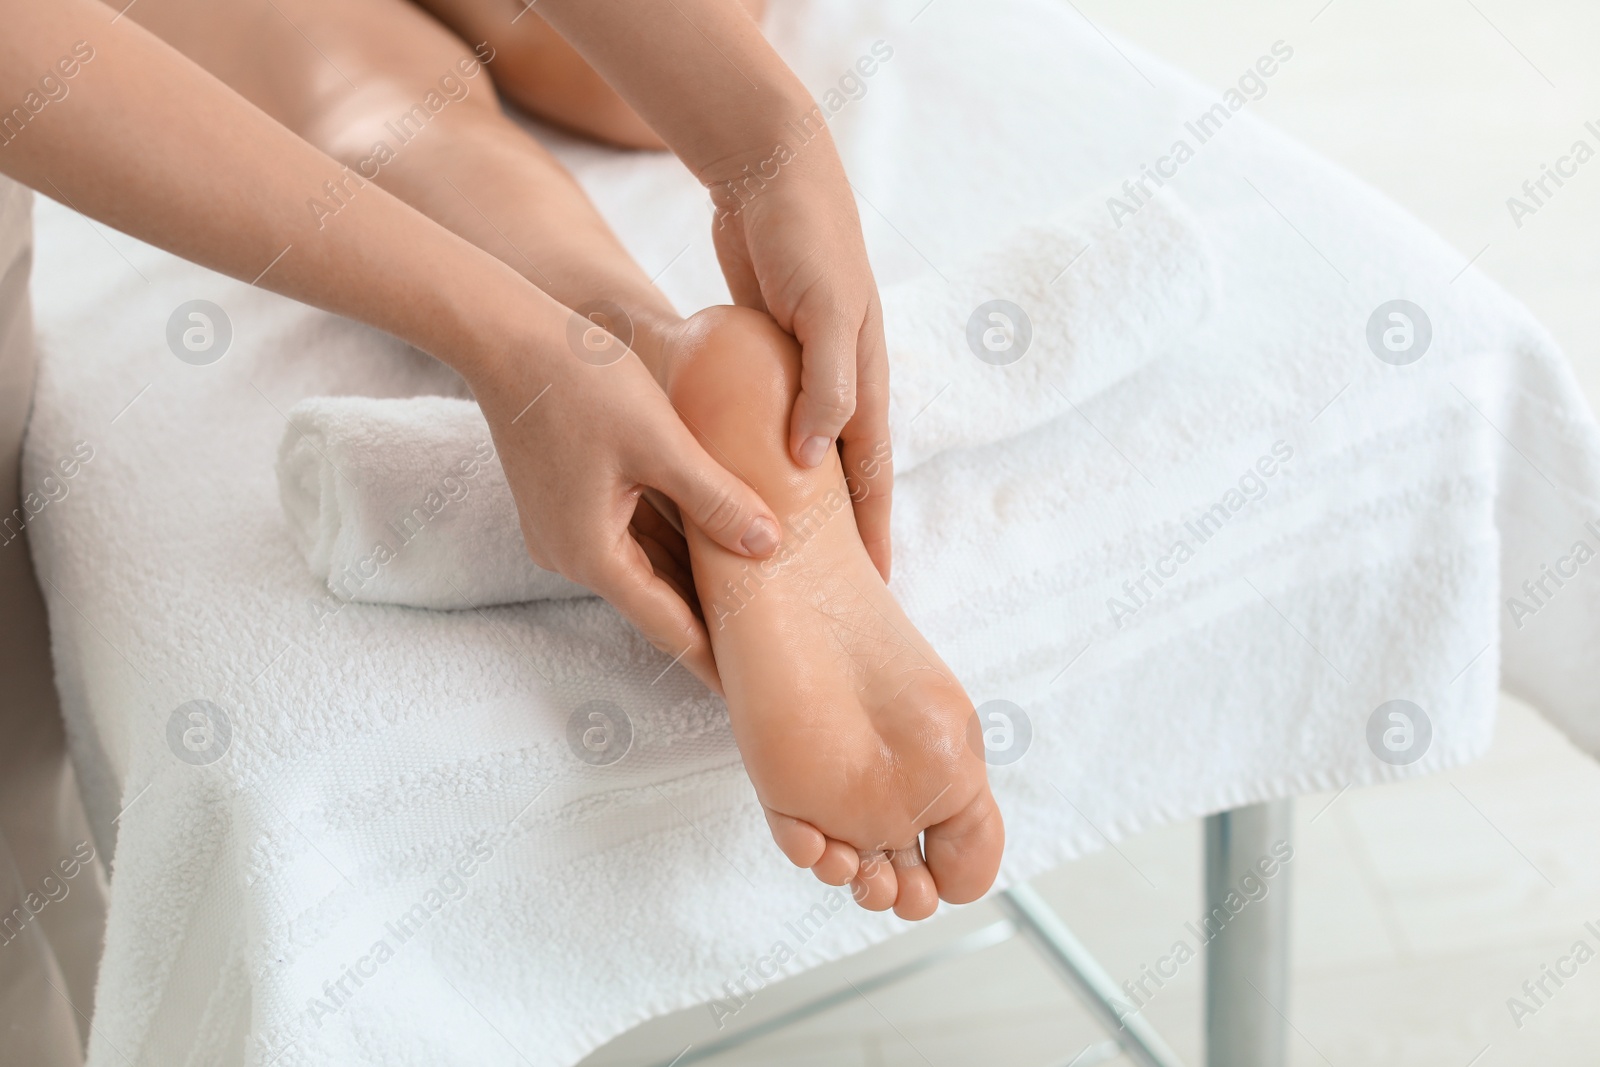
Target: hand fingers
{"type": "Point", "coordinates": [667, 553]}
{"type": "Point", "coordinates": [627, 581]}
{"type": "Point", "coordinates": [868, 459]}
{"type": "Point", "coordinates": [874, 503]}
{"type": "Point", "coordinates": [713, 498]}
{"type": "Point", "coordinates": [649, 521]}
{"type": "Point", "coordinates": [917, 898]}
{"type": "Point", "coordinates": [827, 386]}
{"type": "Point", "coordinates": [733, 253]}
{"type": "Point", "coordinates": [666, 509]}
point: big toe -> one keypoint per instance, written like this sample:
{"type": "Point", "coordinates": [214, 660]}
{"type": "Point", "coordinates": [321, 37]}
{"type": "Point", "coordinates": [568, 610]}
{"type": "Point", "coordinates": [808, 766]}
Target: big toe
{"type": "Point", "coordinates": [963, 851]}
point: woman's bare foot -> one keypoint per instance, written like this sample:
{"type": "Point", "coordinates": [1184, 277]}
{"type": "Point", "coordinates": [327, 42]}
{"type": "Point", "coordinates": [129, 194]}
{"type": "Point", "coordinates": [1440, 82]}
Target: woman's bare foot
{"type": "Point", "coordinates": [857, 737]}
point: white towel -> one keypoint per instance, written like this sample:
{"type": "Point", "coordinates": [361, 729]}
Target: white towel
{"type": "Point", "coordinates": [1053, 315]}
{"type": "Point", "coordinates": [403, 501]}
{"type": "Point", "coordinates": [372, 748]}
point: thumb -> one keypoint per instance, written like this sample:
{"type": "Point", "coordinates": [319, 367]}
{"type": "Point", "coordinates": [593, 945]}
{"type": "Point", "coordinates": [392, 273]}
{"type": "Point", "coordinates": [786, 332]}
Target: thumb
{"type": "Point", "coordinates": [712, 498]}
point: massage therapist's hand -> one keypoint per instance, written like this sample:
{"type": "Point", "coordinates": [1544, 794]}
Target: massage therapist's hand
{"type": "Point", "coordinates": [794, 250]}
{"type": "Point", "coordinates": [580, 443]}
{"type": "Point", "coordinates": [141, 138]}
{"type": "Point", "coordinates": [703, 77]}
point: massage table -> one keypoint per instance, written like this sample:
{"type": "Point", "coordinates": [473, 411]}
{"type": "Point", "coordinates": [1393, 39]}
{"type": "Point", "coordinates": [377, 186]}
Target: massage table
{"type": "Point", "coordinates": [285, 781]}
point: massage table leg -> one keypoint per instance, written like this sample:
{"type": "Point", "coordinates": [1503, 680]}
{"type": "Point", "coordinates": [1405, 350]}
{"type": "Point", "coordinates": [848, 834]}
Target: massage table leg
{"type": "Point", "coordinates": [1247, 963]}
{"type": "Point", "coordinates": [1088, 979]}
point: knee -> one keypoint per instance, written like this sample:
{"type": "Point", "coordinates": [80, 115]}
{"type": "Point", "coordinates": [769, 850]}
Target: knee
{"type": "Point", "coordinates": [536, 69]}
{"type": "Point", "coordinates": [368, 129]}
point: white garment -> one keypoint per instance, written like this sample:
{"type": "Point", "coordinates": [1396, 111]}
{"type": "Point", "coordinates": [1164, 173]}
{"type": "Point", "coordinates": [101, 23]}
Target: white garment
{"type": "Point", "coordinates": [405, 502]}
{"type": "Point", "coordinates": [371, 747]}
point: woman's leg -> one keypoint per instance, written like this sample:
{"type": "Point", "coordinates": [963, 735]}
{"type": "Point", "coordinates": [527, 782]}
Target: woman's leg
{"type": "Point", "coordinates": [539, 72]}
{"type": "Point", "coordinates": [853, 731]}
{"type": "Point", "coordinates": [383, 87]}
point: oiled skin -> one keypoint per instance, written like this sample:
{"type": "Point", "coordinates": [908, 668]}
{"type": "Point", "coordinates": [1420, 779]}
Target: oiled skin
{"type": "Point", "coordinates": [852, 729]}
{"type": "Point", "coordinates": [847, 719]}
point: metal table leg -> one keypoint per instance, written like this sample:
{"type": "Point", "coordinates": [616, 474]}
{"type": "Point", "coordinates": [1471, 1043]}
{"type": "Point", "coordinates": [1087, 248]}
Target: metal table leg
{"type": "Point", "coordinates": [1247, 958]}
{"type": "Point", "coordinates": [1087, 978]}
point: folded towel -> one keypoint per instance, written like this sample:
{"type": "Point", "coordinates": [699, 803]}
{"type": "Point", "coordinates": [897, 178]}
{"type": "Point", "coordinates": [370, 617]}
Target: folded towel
{"type": "Point", "coordinates": [405, 501]}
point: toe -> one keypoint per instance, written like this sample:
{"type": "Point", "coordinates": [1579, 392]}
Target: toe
{"type": "Point", "coordinates": [918, 897]}
{"type": "Point", "coordinates": [964, 851]}
{"type": "Point", "coordinates": [874, 885]}
{"type": "Point", "coordinates": [803, 843]}
{"type": "Point", "coordinates": [838, 864]}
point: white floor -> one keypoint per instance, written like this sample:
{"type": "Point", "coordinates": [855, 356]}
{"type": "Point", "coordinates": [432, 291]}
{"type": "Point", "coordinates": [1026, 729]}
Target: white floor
{"type": "Point", "coordinates": [1418, 909]}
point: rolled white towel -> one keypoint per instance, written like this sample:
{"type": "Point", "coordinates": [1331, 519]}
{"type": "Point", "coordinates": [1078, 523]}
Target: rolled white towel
{"type": "Point", "coordinates": [405, 501]}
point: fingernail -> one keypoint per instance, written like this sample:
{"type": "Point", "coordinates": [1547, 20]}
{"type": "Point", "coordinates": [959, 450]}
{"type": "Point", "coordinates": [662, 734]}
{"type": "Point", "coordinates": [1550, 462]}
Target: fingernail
{"type": "Point", "coordinates": [761, 539]}
{"type": "Point", "coordinates": [812, 449]}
